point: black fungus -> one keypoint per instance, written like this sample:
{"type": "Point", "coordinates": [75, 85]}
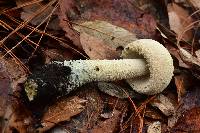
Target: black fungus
{"type": "Point", "coordinates": [52, 81]}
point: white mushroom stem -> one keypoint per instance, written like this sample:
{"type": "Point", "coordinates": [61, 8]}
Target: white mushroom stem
{"type": "Point", "coordinates": [85, 71]}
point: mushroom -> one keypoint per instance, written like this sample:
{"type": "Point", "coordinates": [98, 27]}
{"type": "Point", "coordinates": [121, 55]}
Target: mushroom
{"type": "Point", "coordinates": [147, 66]}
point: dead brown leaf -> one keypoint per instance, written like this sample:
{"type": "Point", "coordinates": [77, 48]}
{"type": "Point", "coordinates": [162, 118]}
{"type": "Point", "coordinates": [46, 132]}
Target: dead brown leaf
{"type": "Point", "coordinates": [60, 111]}
{"type": "Point", "coordinates": [189, 122]}
{"type": "Point", "coordinates": [109, 125]}
{"type": "Point", "coordinates": [178, 19]}
{"type": "Point", "coordinates": [10, 75]}
{"type": "Point", "coordinates": [5, 88]}
{"type": "Point", "coordinates": [154, 127]}
{"type": "Point", "coordinates": [118, 12]}
{"type": "Point", "coordinates": [56, 54]}
{"type": "Point", "coordinates": [188, 57]}
{"type": "Point", "coordinates": [90, 116]}
{"type": "Point", "coordinates": [164, 104]}
{"type": "Point", "coordinates": [66, 7]}
{"type": "Point", "coordinates": [150, 112]}
{"type": "Point", "coordinates": [180, 85]}
{"type": "Point", "coordinates": [183, 82]}
{"type": "Point", "coordinates": [175, 52]}
{"type": "Point", "coordinates": [19, 118]}
{"type": "Point", "coordinates": [189, 101]}
{"type": "Point", "coordinates": [15, 72]}
{"type": "Point", "coordinates": [96, 48]}
{"type": "Point", "coordinates": [112, 35]}
{"type": "Point", "coordinates": [33, 6]}
{"type": "Point", "coordinates": [195, 3]}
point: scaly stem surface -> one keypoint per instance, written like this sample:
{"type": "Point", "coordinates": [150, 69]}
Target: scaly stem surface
{"type": "Point", "coordinates": [85, 71]}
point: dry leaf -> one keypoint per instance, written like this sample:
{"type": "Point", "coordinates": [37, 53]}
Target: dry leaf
{"type": "Point", "coordinates": [195, 3]}
{"type": "Point", "coordinates": [57, 54]}
{"type": "Point", "coordinates": [5, 4]}
{"type": "Point", "coordinates": [15, 72]}
{"type": "Point", "coordinates": [5, 88]}
{"type": "Point", "coordinates": [60, 111]}
{"type": "Point", "coordinates": [175, 52]}
{"type": "Point", "coordinates": [164, 104]}
{"type": "Point", "coordinates": [114, 89]}
{"type": "Point", "coordinates": [189, 122]}
{"type": "Point", "coordinates": [90, 115]}
{"type": "Point", "coordinates": [10, 75]}
{"type": "Point", "coordinates": [189, 101]}
{"type": "Point", "coordinates": [121, 13]}
{"type": "Point", "coordinates": [109, 125]}
{"type": "Point", "coordinates": [96, 48]}
{"type": "Point", "coordinates": [66, 6]}
{"type": "Point", "coordinates": [19, 118]}
{"type": "Point", "coordinates": [198, 54]}
{"type": "Point", "coordinates": [187, 57]}
{"type": "Point", "coordinates": [178, 20]}
{"type": "Point", "coordinates": [117, 12]}
{"type": "Point", "coordinates": [183, 82]}
{"type": "Point", "coordinates": [113, 36]}
{"type": "Point", "coordinates": [154, 127]}
{"type": "Point", "coordinates": [150, 112]}
{"type": "Point", "coordinates": [30, 10]}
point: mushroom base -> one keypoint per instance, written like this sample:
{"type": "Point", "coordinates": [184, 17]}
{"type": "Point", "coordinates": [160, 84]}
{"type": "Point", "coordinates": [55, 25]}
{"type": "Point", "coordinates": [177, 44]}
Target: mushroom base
{"type": "Point", "coordinates": [47, 82]}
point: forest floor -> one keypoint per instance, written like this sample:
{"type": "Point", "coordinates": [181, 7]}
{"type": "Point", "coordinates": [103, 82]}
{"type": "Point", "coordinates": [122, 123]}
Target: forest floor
{"type": "Point", "coordinates": [34, 33]}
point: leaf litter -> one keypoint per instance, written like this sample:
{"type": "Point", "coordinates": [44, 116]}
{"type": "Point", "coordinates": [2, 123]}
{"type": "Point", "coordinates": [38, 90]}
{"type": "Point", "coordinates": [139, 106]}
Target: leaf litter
{"type": "Point", "coordinates": [83, 27]}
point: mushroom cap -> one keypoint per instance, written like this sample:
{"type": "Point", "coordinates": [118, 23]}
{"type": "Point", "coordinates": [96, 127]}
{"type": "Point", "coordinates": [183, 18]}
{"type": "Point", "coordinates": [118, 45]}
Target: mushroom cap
{"type": "Point", "coordinates": [159, 63]}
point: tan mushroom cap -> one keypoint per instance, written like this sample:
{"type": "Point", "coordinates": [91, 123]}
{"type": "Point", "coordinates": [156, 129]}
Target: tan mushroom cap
{"type": "Point", "coordinates": [159, 62]}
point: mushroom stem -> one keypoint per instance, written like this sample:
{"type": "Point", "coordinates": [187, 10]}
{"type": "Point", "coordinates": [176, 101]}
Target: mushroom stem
{"type": "Point", "coordinates": [85, 71]}
{"type": "Point", "coordinates": [145, 58]}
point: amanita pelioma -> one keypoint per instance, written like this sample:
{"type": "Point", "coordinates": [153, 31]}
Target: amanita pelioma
{"type": "Point", "coordinates": [146, 65]}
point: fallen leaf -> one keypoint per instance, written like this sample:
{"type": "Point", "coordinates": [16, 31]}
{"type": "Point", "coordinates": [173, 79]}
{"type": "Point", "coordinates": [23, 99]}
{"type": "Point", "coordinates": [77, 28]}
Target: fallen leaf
{"type": "Point", "coordinates": [187, 57]}
{"type": "Point", "coordinates": [13, 110]}
{"type": "Point", "coordinates": [164, 104]}
{"type": "Point", "coordinates": [178, 20]}
{"type": "Point", "coordinates": [189, 101]}
{"type": "Point", "coordinates": [198, 54]}
{"type": "Point", "coordinates": [90, 115]}
{"type": "Point", "coordinates": [195, 3]}
{"type": "Point", "coordinates": [113, 36]}
{"type": "Point", "coordinates": [5, 4]}
{"type": "Point", "coordinates": [193, 61]}
{"type": "Point", "coordinates": [18, 117]}
{"type": "Point", "coordinates": [57, 54]}
{"type": "Point", "coordinates": [10, 75]}
{"type": "Point", "coordinates": [5, 88]}
{"type": "Point", "coordinates": [150, 112]}
{"type": "Point", "coordinates": [189, 122]}
{"type": "Point", "coordinates": [66, 6]}
{"type": "Point", "coordinates": [96, 49]}
{"type": "Point", "coordinates": [154, 127]}
{"type": "Point", "coordinates": [15, 72]}
{"type": "Point", "coordinates": [60, 111]}
{"type": "Point", "coordinates": [109, 125]}
{"type": "Point", "coordinates": [183, 82]}
{"type": "Point", "coordinates": [114, 89]}
{"type": "Point", "coordinates": [118, 12]}
{"type": "Point", "coordinates": [175, 52]}
{"type": "Point", "coordinates": [30, 9]}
